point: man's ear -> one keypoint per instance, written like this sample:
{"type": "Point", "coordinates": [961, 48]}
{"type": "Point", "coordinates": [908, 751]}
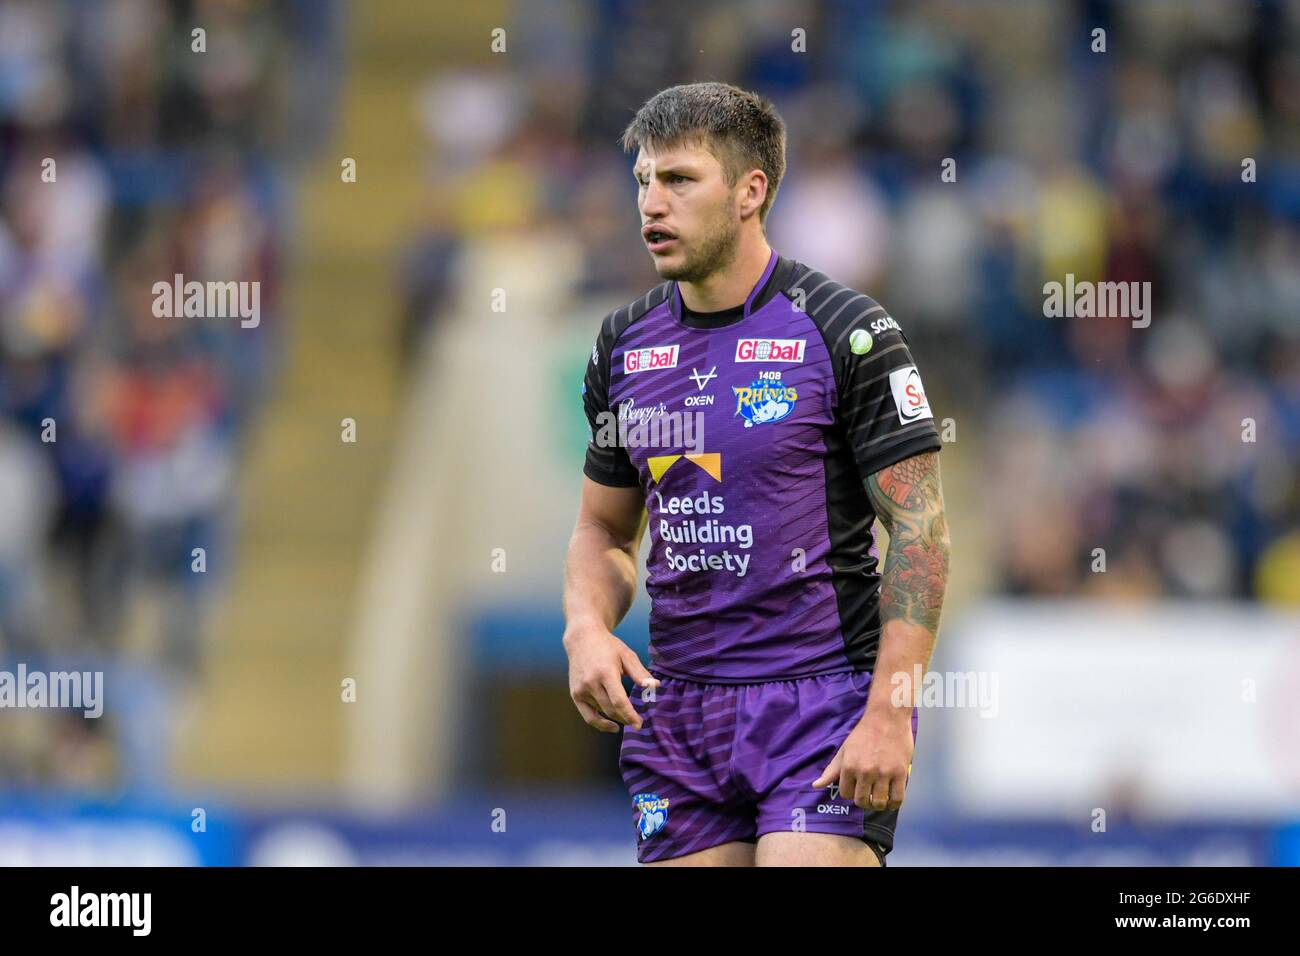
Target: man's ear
{"type": "Point", "coordinates": [755, 189]}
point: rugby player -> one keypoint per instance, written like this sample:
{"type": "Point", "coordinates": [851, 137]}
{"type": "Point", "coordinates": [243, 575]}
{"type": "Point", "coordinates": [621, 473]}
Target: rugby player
{"type": "Point", "coordinates": [757, 734]}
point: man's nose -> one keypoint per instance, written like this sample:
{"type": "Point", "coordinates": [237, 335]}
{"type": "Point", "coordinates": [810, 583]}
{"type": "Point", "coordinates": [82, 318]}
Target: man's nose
{"type": "Point", "coordinates": [655, 200]}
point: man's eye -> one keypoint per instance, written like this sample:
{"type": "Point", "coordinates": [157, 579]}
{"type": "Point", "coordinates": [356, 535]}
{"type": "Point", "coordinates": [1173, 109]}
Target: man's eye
{"type": "Point", "coordinates": [677, 178]}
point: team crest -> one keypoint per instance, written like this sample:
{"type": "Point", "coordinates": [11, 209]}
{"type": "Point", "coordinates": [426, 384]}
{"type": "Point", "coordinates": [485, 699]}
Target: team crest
{"type": "Point", "coordinates": [654, 814]}
{"type": "Point", "coordinates": [766, 399]}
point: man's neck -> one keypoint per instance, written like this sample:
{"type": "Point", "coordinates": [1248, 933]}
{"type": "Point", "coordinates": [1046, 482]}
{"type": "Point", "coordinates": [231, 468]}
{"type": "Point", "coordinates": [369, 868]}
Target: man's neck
{"type": "Point", "coordinates": [731, 286]}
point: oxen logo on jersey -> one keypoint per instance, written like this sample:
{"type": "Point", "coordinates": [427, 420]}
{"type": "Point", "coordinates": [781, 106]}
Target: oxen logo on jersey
{"type": "Point", "coordinates": [705, 379]}
{"type": "Point", "coordinates": [654, 814]}
{"type": "Point", "coordinates": [701, 382]}
{"type": "Point", "coordinates": [909, 395]}
{"type": "Point", "coordinates": [769, 350]}
{"type": "Point", "coordinates": [649, 360]}
{"type": "Point", "coordinates": [766, 399]}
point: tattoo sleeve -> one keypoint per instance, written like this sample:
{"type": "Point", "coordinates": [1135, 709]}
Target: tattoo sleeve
{"type": "Point", "coordinates": [909, 500]}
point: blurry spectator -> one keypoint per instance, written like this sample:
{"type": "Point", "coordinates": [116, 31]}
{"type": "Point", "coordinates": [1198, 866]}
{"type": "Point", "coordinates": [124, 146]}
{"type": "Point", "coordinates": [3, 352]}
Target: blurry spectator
{"type": "Point", "coordinates": [125, 159]}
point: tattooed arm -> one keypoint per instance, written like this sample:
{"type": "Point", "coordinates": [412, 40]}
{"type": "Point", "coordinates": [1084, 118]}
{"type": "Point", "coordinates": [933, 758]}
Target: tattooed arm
{"type": "Point", "coordinates": [873, 764]}
{"type": "Point", "coordinates": [909, 500]}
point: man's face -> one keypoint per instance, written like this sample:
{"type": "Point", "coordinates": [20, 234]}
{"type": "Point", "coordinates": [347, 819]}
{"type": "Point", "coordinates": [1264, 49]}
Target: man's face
{"type": "Point", "coordinates": [683, 192]}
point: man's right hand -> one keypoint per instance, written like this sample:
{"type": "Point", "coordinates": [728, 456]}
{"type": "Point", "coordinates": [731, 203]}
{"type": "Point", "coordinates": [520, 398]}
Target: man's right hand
{"type": "Point", "coordinates": [597, 662]}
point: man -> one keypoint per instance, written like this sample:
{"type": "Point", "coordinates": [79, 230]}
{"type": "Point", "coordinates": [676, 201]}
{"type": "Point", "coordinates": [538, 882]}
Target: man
{"type": "Point", "coordinates": [758, 735]}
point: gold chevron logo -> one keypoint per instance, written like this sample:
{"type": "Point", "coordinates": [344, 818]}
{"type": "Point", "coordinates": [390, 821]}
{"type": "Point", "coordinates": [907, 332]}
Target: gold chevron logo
{"type": "Point", "coordinates": [709, 462]}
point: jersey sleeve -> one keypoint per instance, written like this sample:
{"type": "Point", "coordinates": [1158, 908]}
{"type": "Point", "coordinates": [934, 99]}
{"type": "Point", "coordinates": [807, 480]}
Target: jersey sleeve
{"type": "Point", "coordinates": [607, 461]}
{"type": "Point", "coordinates": [882, 401]}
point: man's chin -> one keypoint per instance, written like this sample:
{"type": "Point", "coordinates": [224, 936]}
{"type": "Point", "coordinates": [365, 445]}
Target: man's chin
{"type": "Point", "coordinates": [671, 267]}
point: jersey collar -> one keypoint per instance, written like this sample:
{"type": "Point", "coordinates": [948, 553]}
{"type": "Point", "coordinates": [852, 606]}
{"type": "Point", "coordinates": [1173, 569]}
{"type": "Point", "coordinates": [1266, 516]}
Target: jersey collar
{"type": "Point", "coordinates": [758, 296]}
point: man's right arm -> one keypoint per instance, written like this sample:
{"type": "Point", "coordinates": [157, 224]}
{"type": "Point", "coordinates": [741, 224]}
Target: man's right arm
{"type": "Point", "coordinates": [600, 577]}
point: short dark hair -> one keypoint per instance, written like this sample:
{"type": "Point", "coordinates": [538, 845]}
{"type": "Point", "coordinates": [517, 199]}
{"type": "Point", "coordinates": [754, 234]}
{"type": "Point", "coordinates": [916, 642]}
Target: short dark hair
{"type": "Point", "coordinates": [742, 129]}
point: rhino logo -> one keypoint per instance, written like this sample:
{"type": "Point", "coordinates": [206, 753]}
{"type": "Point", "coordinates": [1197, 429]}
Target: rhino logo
{"type": "Point", "coordinates": [654, 814]}
{"type": "Point", "coordinates": [764, 400]}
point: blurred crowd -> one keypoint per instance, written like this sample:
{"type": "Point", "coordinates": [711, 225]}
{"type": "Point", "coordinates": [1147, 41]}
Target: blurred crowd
{"type": "Point", "coordinates": [1166, 455]}
{"type": "Point", "coordinates": [131, 150]}
{"type": "Point", "coordinates": [1111, 457]}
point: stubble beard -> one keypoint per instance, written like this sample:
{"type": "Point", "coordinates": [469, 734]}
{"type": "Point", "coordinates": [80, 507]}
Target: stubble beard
{"type": "Point", "coordinates": [712, 252]}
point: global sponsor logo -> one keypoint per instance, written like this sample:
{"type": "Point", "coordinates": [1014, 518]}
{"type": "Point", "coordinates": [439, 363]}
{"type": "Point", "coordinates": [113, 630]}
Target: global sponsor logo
{"type": "Point", "coordinates": [909, 395]}
{"type": "Point", "coordinates": [650, 359]}
{"type": "Point", "coordinates": [770, 350]}
{"type": "Point", "coordinates": [766, 399]}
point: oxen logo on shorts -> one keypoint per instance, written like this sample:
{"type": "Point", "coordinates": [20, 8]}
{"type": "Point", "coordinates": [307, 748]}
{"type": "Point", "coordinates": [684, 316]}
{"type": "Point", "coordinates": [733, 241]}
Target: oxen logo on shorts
{"type": "Point", "coordinates": [833, 806]}
{"type": "Point", "coordinates": [654, 813]}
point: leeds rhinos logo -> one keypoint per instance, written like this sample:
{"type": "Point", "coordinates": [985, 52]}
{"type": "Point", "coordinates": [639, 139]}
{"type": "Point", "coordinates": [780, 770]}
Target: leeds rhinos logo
{"type": "Point", "coordinates": [766, 399]}
{"type": "Point", "coordinates": [654, 813]}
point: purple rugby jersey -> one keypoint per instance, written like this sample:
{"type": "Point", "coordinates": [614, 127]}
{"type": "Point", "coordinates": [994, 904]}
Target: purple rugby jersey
{"type": "Point", "coordinates": [750, 441]}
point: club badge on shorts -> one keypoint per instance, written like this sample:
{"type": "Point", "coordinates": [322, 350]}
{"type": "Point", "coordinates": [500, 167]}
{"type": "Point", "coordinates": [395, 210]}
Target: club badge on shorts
{"type": "Point", "coordinates": [654, 813]}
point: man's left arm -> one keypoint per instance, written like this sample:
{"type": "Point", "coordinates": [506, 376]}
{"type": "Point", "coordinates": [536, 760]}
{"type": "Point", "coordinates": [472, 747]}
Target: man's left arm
{"type": "Point", "coordinates": [873, 764]}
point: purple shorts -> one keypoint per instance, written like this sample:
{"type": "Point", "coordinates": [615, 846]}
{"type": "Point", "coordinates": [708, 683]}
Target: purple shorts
{"type": "Point", "coordinates": [715, 763]}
